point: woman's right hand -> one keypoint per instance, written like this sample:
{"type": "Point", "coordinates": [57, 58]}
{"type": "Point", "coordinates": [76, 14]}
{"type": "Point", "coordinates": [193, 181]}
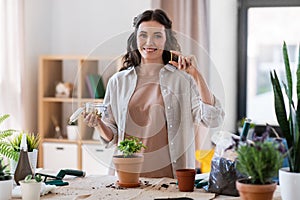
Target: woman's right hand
{"type": "Point", "coordinates": [92, 119]}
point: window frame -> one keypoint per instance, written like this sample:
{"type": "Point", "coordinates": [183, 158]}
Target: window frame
{"type": "Point", "coordinates": [243, 7]}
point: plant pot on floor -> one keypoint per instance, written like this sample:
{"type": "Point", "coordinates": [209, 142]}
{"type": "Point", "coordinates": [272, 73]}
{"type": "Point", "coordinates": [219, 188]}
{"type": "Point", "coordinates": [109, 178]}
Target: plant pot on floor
{"type": "Point", "coordinates": [289, 184]}
{"type": "Point", "coordinates": [32, 156]}
{"type": "Point", "coordinates": [31, 190]}
{"type": "Point", "coordinates": [249, 191]}
{"type": "Point", "coordinates": [6, 186]}
{"type": "Point", "coordinates": [128, 169]}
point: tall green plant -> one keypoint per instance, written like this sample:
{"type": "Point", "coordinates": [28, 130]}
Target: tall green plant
{"type": "Point", "coordinates": [288, 115]}
{"type": "Point", "coordinates": [5, 147]}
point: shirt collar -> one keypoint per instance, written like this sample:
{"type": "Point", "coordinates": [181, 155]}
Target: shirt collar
{"type": "Point", "coordinates": [169, 67]}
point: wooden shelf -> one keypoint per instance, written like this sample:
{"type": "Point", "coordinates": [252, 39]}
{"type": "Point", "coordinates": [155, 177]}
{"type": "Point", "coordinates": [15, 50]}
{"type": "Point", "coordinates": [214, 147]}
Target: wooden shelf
{"type": "Point", "coordinates": [60, 140]}
{"type": "Point", "coordinates": [55, 111]}
{"type": "Point", "coordinates": [57, 99]}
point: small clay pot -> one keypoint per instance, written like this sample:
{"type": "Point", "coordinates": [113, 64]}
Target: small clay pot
{"type": "Point", "coordinates": [257, 192]}
{"type": "Point", "coordinates": [186, 179]}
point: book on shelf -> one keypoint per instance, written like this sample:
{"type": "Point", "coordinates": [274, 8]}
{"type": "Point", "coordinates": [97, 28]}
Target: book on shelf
{"type": "Point", "coordinates": [95, 86]}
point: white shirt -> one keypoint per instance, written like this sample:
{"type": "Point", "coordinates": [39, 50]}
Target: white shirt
{"type": "Point", "coordinates": [183, 107]}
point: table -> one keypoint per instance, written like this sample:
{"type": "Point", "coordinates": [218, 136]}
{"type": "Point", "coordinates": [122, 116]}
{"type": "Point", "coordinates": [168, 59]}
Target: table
{"type": "Point", "coordinates": [106, 188]}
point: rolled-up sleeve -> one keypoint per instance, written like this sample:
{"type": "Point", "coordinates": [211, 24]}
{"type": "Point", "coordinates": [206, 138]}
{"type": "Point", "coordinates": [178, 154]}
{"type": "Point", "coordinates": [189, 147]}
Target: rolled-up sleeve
{"type": "Point", "coordinates": [212, 115]}
{"type": "Point", "coordinates": [109, 121]}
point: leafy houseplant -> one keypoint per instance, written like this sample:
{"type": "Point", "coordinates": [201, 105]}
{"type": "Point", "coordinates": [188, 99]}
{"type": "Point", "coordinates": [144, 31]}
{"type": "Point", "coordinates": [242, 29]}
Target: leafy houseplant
{"type": "Point", "coordinates": [129, 164]}
{"type": "Point", "coordinates": [31, 187]}
{"type": "Point", "coordinates": [33, 141]}
{"type": "Point", "coordinates": [5, 147]}
{"type": "Point", "coordinates": [130, 146]}
{"type": "Point", "coordinates": [288, 117]}
{"type": "Point", "coordinates": [259, 159]}
{"type": "Point", "coordinates": [29, 178]}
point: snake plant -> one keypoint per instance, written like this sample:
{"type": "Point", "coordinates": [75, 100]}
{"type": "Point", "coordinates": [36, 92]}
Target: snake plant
{"type": "Point", "coordinates": [288, 113]}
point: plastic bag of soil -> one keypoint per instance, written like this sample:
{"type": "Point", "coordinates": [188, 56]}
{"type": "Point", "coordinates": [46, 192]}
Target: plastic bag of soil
{"type": "Point", "coordinates": [223, 174]}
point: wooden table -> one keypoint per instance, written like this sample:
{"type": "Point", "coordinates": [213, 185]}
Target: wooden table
{"type": "Point", "coordinates": [105, 188]}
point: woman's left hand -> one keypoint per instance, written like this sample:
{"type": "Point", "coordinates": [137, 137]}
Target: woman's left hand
{"type": "Point", "coordinates": [186, 63]}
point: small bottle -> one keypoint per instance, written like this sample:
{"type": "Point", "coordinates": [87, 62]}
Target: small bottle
{"type": "Point", "coordinates": [245, 130]}
{"type": "Point", "coordinates": [23, 167]}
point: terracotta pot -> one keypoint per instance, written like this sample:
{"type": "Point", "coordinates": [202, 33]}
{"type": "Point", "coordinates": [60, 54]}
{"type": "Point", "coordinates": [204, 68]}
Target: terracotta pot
{"type": "Point", "coordinates": [128, 169]}
{"type": "Point", "coordinates": [249, 191]}
{"type": "Point", "coordinates": [186, 179]}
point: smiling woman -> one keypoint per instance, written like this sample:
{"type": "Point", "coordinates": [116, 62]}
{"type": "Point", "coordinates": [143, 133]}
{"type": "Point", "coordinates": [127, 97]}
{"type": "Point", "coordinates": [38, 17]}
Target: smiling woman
{"type": "Point", "coordinates": [151, 41]}
{"type": "Point", "coordinates": [156, 99]}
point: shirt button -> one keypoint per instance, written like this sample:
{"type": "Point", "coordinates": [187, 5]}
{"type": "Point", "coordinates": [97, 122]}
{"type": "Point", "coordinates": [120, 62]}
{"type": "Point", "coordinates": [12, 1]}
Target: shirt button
{"type": "Point", "coordinates": [171, 125]}
{"type": "Point", "coordinates": [172, 143]}
{"type": "Point", "coordinates": [165, 91]}
{"type": "Point", "coordinates": [174, 161]}
{"type": "Point", "coordinates": [169, 107]}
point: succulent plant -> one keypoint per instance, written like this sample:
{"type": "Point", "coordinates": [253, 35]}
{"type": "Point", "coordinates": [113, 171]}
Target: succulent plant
{"type": "Point", "coordinates": [3, 174]}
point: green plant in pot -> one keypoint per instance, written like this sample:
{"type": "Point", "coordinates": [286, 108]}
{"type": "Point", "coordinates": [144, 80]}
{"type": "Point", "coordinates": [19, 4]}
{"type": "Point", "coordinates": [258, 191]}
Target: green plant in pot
{"type": "Point", "coordinates": [6, 182]}
{"type": "Point", "coordinates": [33, 141]}
{"type": "Point", "coordinates": [31, 187]}
{"type": "Point", "coordinates": [258, 160]}
{"type": "Point", "coordinates": [128, 165]}
{"type": "Point", "coordinates": [5, 146]}
{"type": "Point", "coordinates": [288, 117]}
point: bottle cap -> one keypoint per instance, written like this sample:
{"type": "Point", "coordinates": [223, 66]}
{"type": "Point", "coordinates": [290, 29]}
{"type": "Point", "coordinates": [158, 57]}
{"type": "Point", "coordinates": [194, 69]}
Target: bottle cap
{"type": "Point", "coordinates": [23, 145]}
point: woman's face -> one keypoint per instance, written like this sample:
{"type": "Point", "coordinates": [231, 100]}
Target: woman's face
{"type": "Point", "coordinates": [151, 39]}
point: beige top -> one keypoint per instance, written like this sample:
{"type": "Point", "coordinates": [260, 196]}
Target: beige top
{"type": "Point", "coordinates": [146, 120]}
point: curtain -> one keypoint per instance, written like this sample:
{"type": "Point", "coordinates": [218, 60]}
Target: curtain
{"type": "Point", "coordinates": [12, 62]}
{"type": "Point", "coordinates": [190, 21]}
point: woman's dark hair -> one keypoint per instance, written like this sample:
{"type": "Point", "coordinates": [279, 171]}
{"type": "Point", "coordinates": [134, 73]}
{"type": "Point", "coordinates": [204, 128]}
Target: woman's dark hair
{"type": "Point", "coordinates": [133, 57]}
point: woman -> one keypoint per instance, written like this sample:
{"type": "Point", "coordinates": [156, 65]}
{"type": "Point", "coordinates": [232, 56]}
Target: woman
{"type": "Point", "coordinates": [157, 99]}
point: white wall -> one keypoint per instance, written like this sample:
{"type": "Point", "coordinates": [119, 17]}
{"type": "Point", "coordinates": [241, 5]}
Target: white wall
{"type": "Point", "coordinates": [223, 52]}
{"type": "Point", "coordinates": [70, 27]}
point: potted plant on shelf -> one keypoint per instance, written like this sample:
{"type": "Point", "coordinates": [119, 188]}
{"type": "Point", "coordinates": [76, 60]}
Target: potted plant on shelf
{"type": "Point", "coordinates": [33, 141]}
{"type": "Point", "coordinates": [6, 182]}
{"type": "Point", "coordinates": [128, 165]}
{"type": "Point", "coordinates": [258, 160]}
{"type": "Point", "coordinates": [31, 187]}
{"type": "Point", "coordinates": [288, 118]}
{"type": "Point", "coordinates": [72, 130]}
